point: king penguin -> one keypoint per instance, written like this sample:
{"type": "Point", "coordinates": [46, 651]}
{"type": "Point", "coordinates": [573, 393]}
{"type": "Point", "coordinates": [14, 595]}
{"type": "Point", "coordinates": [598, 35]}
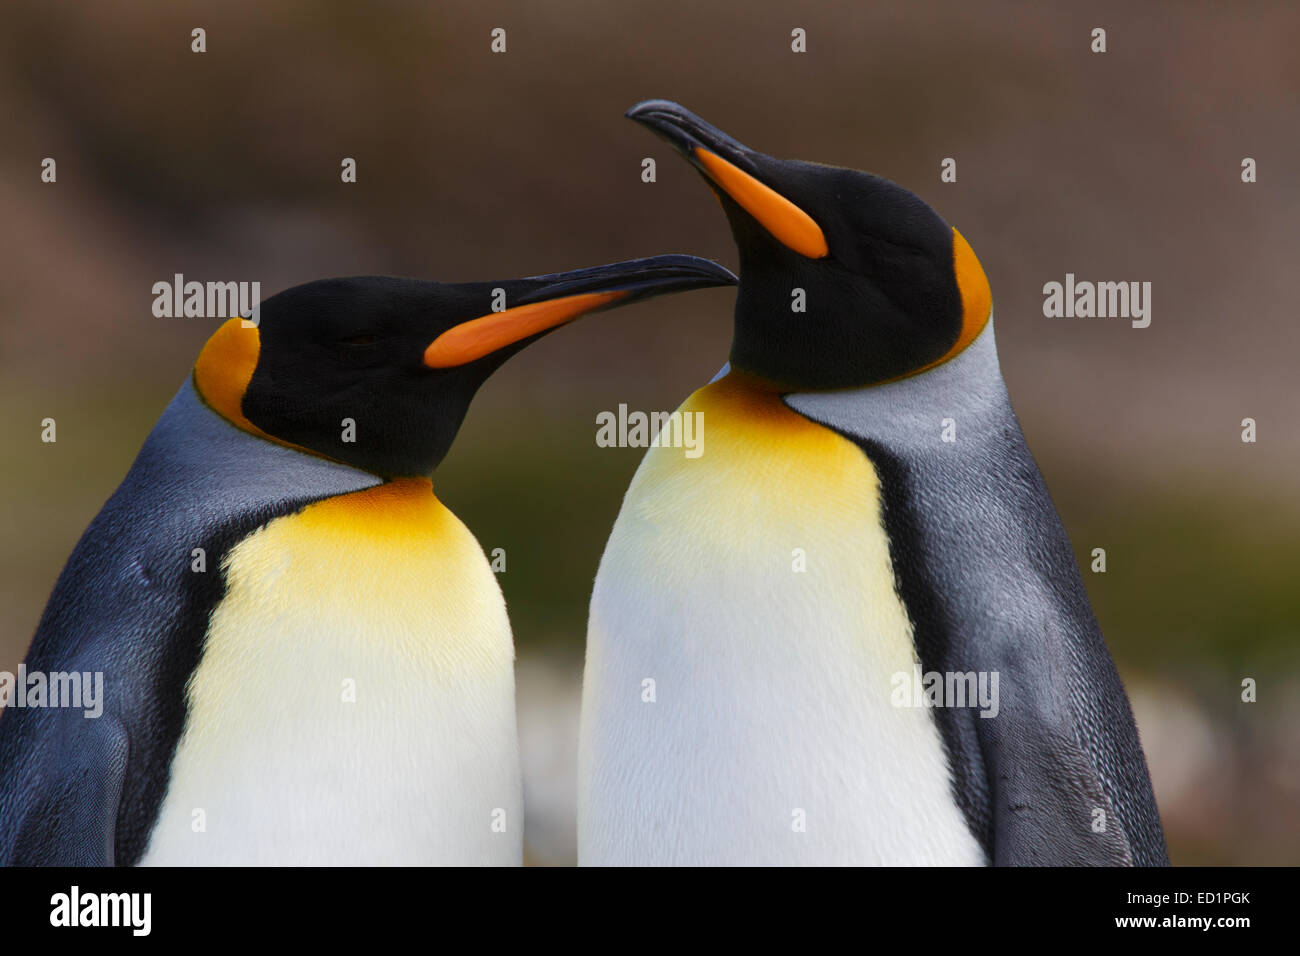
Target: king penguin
{"type": "Point", "coordinates": [305, 656]}
{"type": "Point", "coordinates": [792, 635]}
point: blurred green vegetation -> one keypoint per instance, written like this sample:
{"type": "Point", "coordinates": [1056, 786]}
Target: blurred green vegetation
{"type": "Point", "coordinates": [1192, 580]}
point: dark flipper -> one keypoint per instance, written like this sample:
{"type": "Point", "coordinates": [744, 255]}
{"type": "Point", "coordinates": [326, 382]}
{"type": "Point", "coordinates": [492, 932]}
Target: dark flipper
{"type": "Point", "coordinates": [1048, 804]}
{"type": "Point", "coordinates": [70, 814]}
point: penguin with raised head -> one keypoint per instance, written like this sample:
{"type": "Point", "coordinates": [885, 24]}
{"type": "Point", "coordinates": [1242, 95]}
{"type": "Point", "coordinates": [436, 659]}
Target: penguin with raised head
{"type": "Point", "coordinates": [839, 636]}
{"type": "Point", "coordinates": [305, 656]}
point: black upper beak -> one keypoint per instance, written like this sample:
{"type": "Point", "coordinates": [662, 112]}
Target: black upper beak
{"type": "Point", "coordinates": [547, 302]}
{"type": "Point", "coordinates": [687, 132]}
{"type": "Point", "coordinates": [736, 173]}
{"type": "Point", "coordinates": [635, 278]}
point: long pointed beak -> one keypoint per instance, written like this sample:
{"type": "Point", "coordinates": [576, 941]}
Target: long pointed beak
{"type": "Point", "coordinates": [732, 168]}
{"type": "Point", "coordinates": [563, 296]}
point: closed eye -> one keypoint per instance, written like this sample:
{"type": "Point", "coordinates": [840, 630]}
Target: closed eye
{"type": "Point", "coordinates": [909, 248]}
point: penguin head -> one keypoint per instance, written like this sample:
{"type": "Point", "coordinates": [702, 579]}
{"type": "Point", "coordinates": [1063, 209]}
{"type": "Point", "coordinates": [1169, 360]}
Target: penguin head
{"type": "Point", "coordinates": [846, 279]}
{"type": "Point", "coordinates": [378, 372]}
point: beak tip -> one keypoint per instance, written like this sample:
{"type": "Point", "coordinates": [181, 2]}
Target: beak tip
{"type": "Point", "coordinates": [651, 106]}
{"type": "Point", "coordinates": [725, 276]}
{"type": "Point", "coordinates": [708, 271]}
{"type": "Point", "coordinates": [668, 120]}
{"type": "Point", "coordinates": [685, 271]}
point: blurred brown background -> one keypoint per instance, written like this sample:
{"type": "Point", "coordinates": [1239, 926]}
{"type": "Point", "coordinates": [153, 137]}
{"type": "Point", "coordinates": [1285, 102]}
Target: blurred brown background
{"type": "Point", "coordinates": [1116, 166]}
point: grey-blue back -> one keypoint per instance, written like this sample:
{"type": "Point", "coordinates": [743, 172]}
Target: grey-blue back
{"type": "Point", "coordinates": [78, 790]}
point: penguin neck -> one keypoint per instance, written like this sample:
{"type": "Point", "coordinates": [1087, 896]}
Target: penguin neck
{"type": "Point", "coordinates": [745, 409]}
{"type": "Point", "coordinates": [222, 373]}
{"type": "Point", "coordinates": [974, 362]}
{"type": "Point", "coordinates": [974, 370]}
{"type": "Point", "coordinates": [968, 389]}
{"type": "Point", "coordinates": [738, 381]}
{"type": "Point", "coordinates": [388, 509]}
{"type": "Point", "coordinates": [974, 365]}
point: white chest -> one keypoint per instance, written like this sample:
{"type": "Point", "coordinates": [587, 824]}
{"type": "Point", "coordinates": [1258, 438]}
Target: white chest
{"type": "Point", "coordinates": [355, 700]}
{"type": "Point", "coordinates": [753, 587]}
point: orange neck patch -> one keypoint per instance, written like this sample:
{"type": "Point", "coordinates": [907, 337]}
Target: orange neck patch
{"type": "Point", "coordinates": [751, 435]}
{"type": "Point", "coordinates": [396, 510]}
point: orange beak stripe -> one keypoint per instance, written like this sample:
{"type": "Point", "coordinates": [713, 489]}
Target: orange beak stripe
{"type": "Point", "coordinates": [790, 225]}
{"type": "Point", "coordinates": [476, 338]}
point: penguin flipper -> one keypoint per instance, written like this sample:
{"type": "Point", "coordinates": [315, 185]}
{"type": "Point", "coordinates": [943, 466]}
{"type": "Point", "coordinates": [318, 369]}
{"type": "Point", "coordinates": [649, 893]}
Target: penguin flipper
{"type": "Point", "coordinates": [1047, 767]}
{"type": "Point", "coordinates": [1046, 802]}
{"type": "Point", "coordinates": [68, 812]}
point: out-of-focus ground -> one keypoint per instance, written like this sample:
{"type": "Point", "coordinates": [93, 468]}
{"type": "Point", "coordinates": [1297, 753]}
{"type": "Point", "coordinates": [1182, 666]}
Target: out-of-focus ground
{"type": "Point", "coordinates": [1121, 166]}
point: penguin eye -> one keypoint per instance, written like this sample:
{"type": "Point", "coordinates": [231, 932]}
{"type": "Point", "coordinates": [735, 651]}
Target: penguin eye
{"type": "Point", "coordinates": [365, 339]}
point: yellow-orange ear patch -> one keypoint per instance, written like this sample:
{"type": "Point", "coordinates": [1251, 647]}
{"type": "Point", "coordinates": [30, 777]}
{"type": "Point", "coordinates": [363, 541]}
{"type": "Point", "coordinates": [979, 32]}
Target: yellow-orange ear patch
{"type": "Point", "coordinates": [976, 297]}
{"type": "Point", "coordinates": [224, 369]}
